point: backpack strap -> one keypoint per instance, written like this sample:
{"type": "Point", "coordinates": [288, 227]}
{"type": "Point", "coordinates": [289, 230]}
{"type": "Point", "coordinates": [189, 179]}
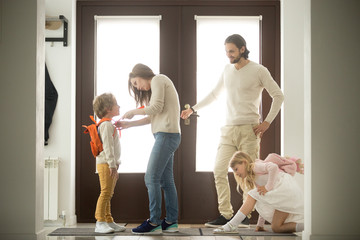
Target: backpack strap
{"type": "Point", "coordinates": [101, 121]}
{"type": "Point", "coordinates": [92, 118]}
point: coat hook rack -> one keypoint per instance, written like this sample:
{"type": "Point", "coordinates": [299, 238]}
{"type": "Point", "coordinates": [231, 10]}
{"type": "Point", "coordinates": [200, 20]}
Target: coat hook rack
{"type": "Point", "coordinates": [64, 39]}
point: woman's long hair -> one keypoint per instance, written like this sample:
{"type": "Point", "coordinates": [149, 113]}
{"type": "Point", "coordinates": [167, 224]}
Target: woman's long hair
{"type": "Point", "coordinates": [142, 98]}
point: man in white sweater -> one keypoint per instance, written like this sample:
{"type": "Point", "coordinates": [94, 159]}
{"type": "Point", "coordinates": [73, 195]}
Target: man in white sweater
{"type": "Point", "coordinates": [243, 81]}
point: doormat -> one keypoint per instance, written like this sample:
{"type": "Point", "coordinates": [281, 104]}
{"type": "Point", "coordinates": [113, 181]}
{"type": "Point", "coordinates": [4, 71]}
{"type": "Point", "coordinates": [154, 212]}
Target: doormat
{"type": "Point", "coordinates": [243, 232]}
{"type": "Point", "coordinates": [127, 232]}
{"type": "Point", "coordinates": [182, 232]}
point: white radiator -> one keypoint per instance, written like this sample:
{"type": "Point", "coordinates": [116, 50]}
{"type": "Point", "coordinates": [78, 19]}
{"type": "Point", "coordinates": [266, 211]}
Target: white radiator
{"type": "Point", "coordinates": [51, 177]}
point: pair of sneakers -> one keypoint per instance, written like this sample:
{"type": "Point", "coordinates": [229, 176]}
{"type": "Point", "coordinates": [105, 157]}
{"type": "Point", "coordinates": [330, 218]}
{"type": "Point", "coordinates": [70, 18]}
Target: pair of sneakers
{"type": "Point", "coordinates": [104, 227]}
{"type": "Point", "coordinates": [146, 228]}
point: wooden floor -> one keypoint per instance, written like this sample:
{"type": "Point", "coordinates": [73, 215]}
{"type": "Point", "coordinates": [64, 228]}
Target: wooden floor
{"type": "Point", "coordinates": [141, 237]}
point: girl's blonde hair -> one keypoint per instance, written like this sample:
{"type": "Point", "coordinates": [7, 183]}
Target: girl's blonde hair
{"type": "Point", "coordinates": [247, 183]}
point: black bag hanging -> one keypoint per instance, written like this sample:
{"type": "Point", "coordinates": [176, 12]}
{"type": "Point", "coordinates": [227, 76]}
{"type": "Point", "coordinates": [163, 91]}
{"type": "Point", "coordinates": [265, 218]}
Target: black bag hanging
{"type": "Point", "coordinates": [51, 97]}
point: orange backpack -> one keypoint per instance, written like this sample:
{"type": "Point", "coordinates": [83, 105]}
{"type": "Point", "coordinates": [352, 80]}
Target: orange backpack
{"type": "Point", "coordinates": [95, 141]}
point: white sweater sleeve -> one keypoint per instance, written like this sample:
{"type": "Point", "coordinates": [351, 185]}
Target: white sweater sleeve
{"type": "Point", "coordinates": [212, 96]}
{"type": "Point", "coordinates": [274, 91]}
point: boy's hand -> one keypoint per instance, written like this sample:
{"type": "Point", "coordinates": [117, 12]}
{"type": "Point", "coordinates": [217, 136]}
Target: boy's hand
{"type": "Point", "coordinates": [114, 173]}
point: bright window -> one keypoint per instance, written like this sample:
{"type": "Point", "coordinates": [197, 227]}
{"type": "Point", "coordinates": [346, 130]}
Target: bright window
{"type": "Point", "coordinates": [122, 42]}
{"type": "Point", "coordinates": [211, 32]}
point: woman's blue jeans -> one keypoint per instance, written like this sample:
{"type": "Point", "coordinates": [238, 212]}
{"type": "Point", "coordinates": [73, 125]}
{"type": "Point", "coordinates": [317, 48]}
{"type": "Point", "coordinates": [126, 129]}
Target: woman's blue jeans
{"type": "Point", "coordinates": [159, 175]}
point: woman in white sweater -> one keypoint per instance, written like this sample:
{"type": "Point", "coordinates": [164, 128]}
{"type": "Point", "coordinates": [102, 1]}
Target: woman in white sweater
{"type": "Point", "coordinates": [162, 109]}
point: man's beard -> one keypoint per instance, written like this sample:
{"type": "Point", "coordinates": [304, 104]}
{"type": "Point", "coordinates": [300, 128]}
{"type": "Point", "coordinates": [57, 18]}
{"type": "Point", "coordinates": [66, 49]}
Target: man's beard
{"type": "Point", "coordinates": [236, 60]}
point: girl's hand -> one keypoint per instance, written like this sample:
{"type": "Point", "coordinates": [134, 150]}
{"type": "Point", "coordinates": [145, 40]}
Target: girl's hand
{"type": "Point", "coordinates": [186, 113]}
{"type": "Point", "coordinates": [260, 229]}
{"type": "Point", "coordinates": [262, 190]}
{"type": "Point", "coordinates": [261, 128]}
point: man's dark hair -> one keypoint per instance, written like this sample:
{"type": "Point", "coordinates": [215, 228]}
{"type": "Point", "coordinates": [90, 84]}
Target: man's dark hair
{"type": "Point", "coordinates": [239, 41]}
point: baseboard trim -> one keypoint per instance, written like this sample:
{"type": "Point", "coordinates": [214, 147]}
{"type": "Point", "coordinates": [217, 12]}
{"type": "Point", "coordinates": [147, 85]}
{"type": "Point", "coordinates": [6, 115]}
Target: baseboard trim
{"type": "Point", "coordinates": [330, 237]}
{"type": "Point", "coordinates": [20, 236]}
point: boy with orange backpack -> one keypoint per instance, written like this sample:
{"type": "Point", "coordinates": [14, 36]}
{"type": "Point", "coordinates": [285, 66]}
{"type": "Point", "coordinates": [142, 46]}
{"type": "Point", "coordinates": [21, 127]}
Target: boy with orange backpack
{"type": "Point", "coordinates": [107, 161]}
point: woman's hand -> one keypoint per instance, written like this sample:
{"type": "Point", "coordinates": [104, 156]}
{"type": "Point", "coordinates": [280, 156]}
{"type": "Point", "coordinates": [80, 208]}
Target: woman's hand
{"type": "Point", "coordinates": [122, 124]}
{"type": "Point", "coordinates": [260, 229]}
{"type": "Point", "coordinates": [186, 113]}
{"type": "Point", "coordinates": [262, 190]}
{"type": "Point", "coordinates": [129, 115]}
{"type": "Point", "coordinates": [261, 128]}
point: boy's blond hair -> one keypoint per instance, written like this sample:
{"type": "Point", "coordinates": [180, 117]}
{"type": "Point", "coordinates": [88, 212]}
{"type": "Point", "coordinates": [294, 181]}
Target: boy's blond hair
{"type": "Point", "coordinates": [103, 103]}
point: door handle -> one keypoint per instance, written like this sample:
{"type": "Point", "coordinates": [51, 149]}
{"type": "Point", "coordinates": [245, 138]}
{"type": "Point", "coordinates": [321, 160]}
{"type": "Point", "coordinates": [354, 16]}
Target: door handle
{"type": "Point", "coordinates": [187, 121]}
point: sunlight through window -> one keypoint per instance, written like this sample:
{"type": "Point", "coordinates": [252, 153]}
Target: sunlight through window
{"type": "Point", "coordinates": [122, 42]}
{"type": "Point", "coordinates": [211, 32]}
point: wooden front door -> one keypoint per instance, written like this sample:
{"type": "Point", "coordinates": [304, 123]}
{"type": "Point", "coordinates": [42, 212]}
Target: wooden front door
{"type": "Point", "coordinates": [196, 190]}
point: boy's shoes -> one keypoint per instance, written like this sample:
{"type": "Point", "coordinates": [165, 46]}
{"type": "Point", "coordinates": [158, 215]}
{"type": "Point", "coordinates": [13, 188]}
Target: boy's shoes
{"type": "Point", "coordinates": [103, 227]}
{"type": "Point", "coordinates": [116, 227]}
{"type": "Point", "coordinates": [147, 229]}
{"type": "Point", "coordinates": [221, 220]}
{"type": "Point", "coordinates": [169, 227]}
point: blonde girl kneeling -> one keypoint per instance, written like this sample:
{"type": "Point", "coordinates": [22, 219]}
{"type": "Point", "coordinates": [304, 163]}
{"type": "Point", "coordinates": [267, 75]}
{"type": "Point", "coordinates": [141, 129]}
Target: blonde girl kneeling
{"type": "Point", "coordinates": [275, 195]}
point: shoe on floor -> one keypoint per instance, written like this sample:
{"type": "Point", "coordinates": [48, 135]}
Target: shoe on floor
{"type": "Point", "coordinates": [220, 221]}
{"type": "Point", "coordinates": [116, 227]}
{"type": "Point", "coordinates": [147, 229]}
{"type": "Point", "coordinates": [103, 227]}
{"type": "Point", "coordinates": [169, 227]}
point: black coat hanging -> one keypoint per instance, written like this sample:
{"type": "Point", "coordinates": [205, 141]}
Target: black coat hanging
{"type": "Point", "coordinates": [51, 97]}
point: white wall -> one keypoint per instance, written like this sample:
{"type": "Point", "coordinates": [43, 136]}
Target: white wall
{"type": "Point", "coordinates": [292, 80]}
{"type": "Point", "coordinates": [22, 119]}
{"type": "Point", "coordinates": [334, 116]}
{"type": "Point", "coordinates": [60, 61]}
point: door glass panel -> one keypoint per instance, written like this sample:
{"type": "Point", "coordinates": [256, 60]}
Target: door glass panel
{"type": "Point", "coordinates": [122, 42]}
{"type": "Point", "coordinates": [211, 32]}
